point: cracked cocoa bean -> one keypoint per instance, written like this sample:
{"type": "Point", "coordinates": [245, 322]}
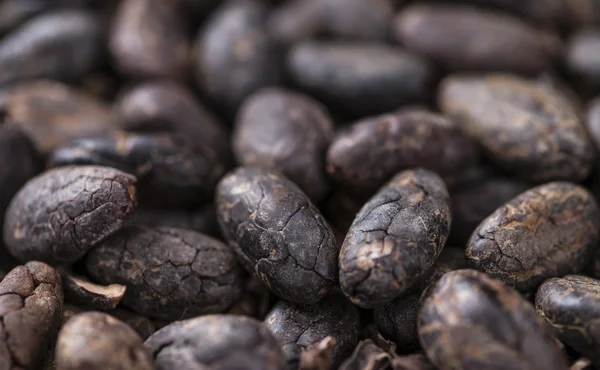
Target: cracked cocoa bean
{"type": "Point", "coordinates": [171, 170]}
{"type": "Point", "coordinates": [149, 40]}
{"type": "Point", "coordinates": [63, 46]}
{"type": "Point", "coordinates": [79, 290]}
{"type": "Point", "coordinates": [461, 38]}
{"type": "Point", "coordinates": [235, 55]}
{"type": "Point", "coordinates": [550, 230]}
{"type": "Point", "coordinates": [277, 233]}
{"type": "Point", "coordinates": [202, 220]}
{"type": "Point", "coordinates": [395, 239]}
{"type": "Point", "coordinates": [367, 356]}
{"type": "Point", "coordinates": [62, 213]}
{"type": "Point", "coordinates": [298, 326]}
{"type": "Point", "coordinates": [53, 114]}
{"type": "Point", "coordinates": [572, 306]}
{"type": "Point", "coordinates": [359, 78]}
{"type": "Point", "coordinates": [528, 129]}
{"type": "Point", "coordinates": [170, 273]}
{"type": "Point", "coordinates": [471, 321]}
{"type": "Point", "coordinates": [98, 341]}
{"type": "Point", "coordinates": [374, 149]}
{"type": "Point", "coordinates": [216, 342]}
{"type": "Point", "coordinates": [31, 303]}
{"type": "Point", "coordinates": [288, 132]}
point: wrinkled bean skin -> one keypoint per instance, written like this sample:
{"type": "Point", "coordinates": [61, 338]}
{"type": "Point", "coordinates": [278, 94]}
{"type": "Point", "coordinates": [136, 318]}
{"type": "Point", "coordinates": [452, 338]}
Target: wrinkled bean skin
{"type": "Point", "coordinates": [470, 321]}
{"type": "Point", "coordinates": [98, 341]}
{"type": "Point", "coordinates": [59, 215]}
{"type": "Point", "coordinates": [277, 233]}
{"type": "Point", "coordinates": [395, 239]}
{"type": "Point", "coordinates": [374, 149]}
{"type": "Point", "coordinates": [234, 53]}
{"type": "Point", "coordinates": [216, 342]}
{"type": "Point", "coordinates": [148, 40]}
{"type": "Point", "coordinates": [170, 273]}
{"type": "Point", "coordinates": [572, 306]}
{"type": "Point", "coordinates": [530, 130]}
{"type": "Point", "coordinates": [473, 202]}
{"type": "Point", "coordinates": [297, 327]}
{"type": "Point", "coordinates": [550, 230]}
{"type": "Point", "coordinates": [53, 114]}
{"type": "Point", "coordinates": [62, 46]}
{"type": "Point", "coordinates": [359, 78]}
{"type": "Point", "coordinates": [467, 39]}
{"type": "Point", "coordinates": [288, 132]}
{"type": "Point", "coordinates": [171, 170]}
{"type": "Point", "coordinates": [31, 303]}
{"type": "Point", "coordinates": [202, 220]}
{"type": "Point", "coordinates": [169, 106]}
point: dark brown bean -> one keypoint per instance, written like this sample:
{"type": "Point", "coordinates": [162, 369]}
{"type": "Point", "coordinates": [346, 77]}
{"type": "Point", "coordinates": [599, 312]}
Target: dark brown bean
{"type": "Point", "coordinates": [235, 55]}
{"type": "Point", "coordinates": [374, 149]}
{"type": "Point", "coordinates": [544, 11]}
{"type": "Point", "coordinates": [98, 341]}
{"type": "Point", "coordinates": [170, 273]}
{"type": "Point", "coordinates": [460, 38]}
{"type": "Point", "coordinates": [528, 129]}
{"type": "Point", "coordinates": [63, 46]}
{"type": "Point", "coordinates": [593, 121]}
{"type": "Point", "coordinates": [550, 230]}
{"type": "Point", "coordinates": [582, 57]}
{"type": "Point", "coordinates": [395, 239]}
{"type": "Point", "coordinates": [31, 303]}
{"type": "Point", "coordinates": [298, 327]}
{"type": "Point", "coordinates": [288, 132]}
{"type": "Point", "coordinates": [202, 220]}
{"type": "Point", "coordinates": [359, 78]}
{"type": "Point", "coordinates": [471, 321]}
{"type": "Point", "coordinates": [367, 356]}
{"type": "Point", "coordinates": [572, 306]}
{"type": "Point", "coordinates": [62, 213]}
{"type": "Point", "coordinates": [149, 40]}
{"type": "Point", "coordinates": [242, 343]}
{"type": "Point", "coordinates": [277, 233]}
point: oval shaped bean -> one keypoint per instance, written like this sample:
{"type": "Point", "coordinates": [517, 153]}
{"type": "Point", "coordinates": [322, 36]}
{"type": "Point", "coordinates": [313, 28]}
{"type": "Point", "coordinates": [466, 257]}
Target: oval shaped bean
{"type": "Point", "coordinates": [277, 233]}
{"type": "Point", "coordinates": [550, 230]}
{"type": "Point", "coordinates": [59, 215]}
{"type": "Point", "coordinates": [297, 327]}
{"type": "Point", "coordinates": [98, 341]}
{"type": "Point", "coordinates": [374, 149]}
{"type": "Point", "coordinates": [216, 342]}
{"type": "Point", "coordinates": [170, 273]}
{"type": "Point", "coordinates": [468, 39]}
{"type": "Point", "coordinates": [471, 321]}
{"type": "Point", "coordinates": [359, 78]}
{"type": "Point", "coordinates": [288, 132]}
{"type": "Point", "coordinates": [395, 238]}
{"type": "Point", "coordinates": [528, 129]}
{"type": "Point", "coordinates": [572, 306]}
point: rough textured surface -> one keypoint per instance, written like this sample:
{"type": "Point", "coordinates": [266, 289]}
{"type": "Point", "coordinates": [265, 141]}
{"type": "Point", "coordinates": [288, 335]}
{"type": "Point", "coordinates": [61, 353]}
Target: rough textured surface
{"type": "Point", "coordinates": [471, 321]}
{"type": "Point", "coordinates": [277, 233]}
{"type": "Point", "coordinates": [234, 53]}
{"type": "Point", "coordinates": [170, 273]}
{"type": "Point", "coordinates": [298, 327]}
{"type": "Point", "coordinates": [31, 304]}
{"type": "Point", "coordinates": [286, 131]}
{"type": "Point", "coordinates": [79, 290]}
{"type": "Point", "coordinates": [396, 237]}
{"type": "Point", "coordinates": [98, 341]}
{"type": "Point", "coordinates": [374, 149]}
{"type": "Point", "coordinates": [172, 171]}
{"type": "Point", "coordinates": [202, 220]}
{"type": "Point", "coordinates": [550, 230]}
{"type": "Point", "coordinates": [149, 40]}
{"type": "Point", "coordinates": [359, 78]}
{"type": "Point", "coordinates": [216, 342]}
{"type": "Point", "coordinates": [53, 114]}
{"type": "Point", "coordinates": [529, 129]}
{"type": "Point", "coordinates": [572, 306]}
{"type": "Point", "coordinates": [59, 215]}
{"type": "Point", "coordinates": [460, 38]}
{"type": "Point", "coordinates": [63, 46]}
